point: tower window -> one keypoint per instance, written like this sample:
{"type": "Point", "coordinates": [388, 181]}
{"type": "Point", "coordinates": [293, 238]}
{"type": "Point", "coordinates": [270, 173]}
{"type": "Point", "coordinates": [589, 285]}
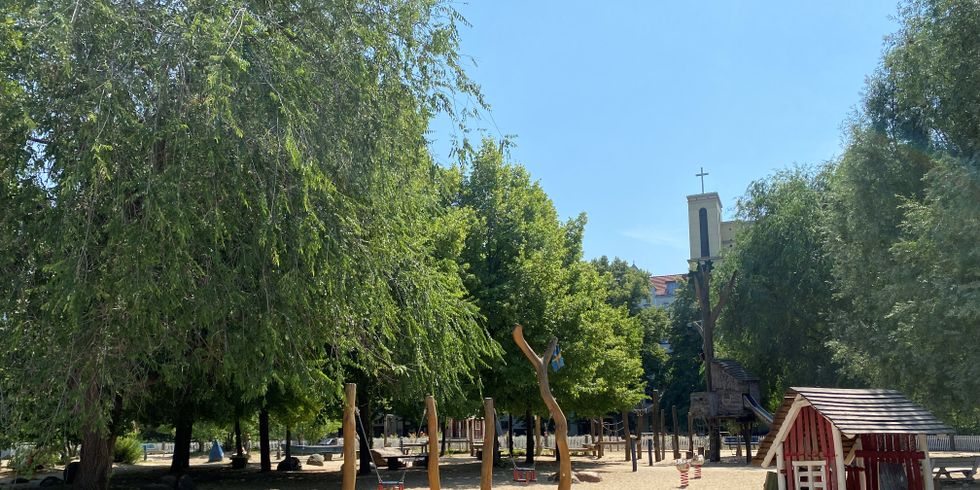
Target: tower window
{"type": "Point", "coordinates": [703, 220]}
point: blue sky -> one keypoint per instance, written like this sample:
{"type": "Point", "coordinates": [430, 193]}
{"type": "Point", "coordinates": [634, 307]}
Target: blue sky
{"type": "Point", "coordinates": [616, 105]}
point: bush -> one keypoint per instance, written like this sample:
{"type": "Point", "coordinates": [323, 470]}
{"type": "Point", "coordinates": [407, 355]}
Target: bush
{"type": "Point", "coordinates": [26, 460]}
{"type": "Point", "coordinates": [128, 450]}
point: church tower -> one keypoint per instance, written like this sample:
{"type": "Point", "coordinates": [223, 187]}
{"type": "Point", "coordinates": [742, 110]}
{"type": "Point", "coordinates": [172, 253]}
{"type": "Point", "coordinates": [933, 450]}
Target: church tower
{"type": "Point", "coordinates": [704, 221]}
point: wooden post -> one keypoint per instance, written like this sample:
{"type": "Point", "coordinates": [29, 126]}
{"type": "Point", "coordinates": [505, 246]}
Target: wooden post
{"type": "Point", "coordinates": [923, 445]}
{"type": "Point", "coordinates": [537, 435]}
{"type": "Point", "coordinates": [486, 471]}
{"type": "Point", "coordinates": [663, 428]}
{"type": "Point", "coordinates": [747, 435]}
{"type": "Point", "coordinates": [655, 425]}
{"type": "Point", "coordinates": [561, 423]}
{"type": "Point", "coordinates": [690, 435]}
{"type": "Point", "coordinates": [627, 439]}
{"type": "Point", "coordinates": [781, 474]}
{"type": "Point", "coordinates": [641, 422]}
{"type": "Point", "coordinates": [350, 438]}
{"type": "Point", "coordinates": [430, 408]}
{"type": "Point", "coordinates": [838, 458]}
{"type": "Point", "coordinates": [469, 435]}
{"type": "Point", "coordinates": [675, 439]}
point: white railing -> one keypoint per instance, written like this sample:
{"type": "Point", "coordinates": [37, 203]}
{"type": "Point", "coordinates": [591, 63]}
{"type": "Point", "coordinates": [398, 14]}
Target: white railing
{"type": "Point", "coordinates": [961, 443]}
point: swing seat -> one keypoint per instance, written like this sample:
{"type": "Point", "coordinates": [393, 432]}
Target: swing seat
{"type": "Point", "coordinates": [391, 485]}
{"type": "Point", "coordinates": [525, 475]}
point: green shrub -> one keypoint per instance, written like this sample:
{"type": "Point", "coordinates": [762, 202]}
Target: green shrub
{"type": "Point", "coordinates": [128, 450]}
{"type": "Point", "coordinates": [26, 460]}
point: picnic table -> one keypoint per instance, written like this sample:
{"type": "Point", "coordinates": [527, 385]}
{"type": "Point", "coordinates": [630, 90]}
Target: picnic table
{"type": "Point", "coordinates": [406, 447]}
{"type": "Point", "coordinates": [945, 466]}
{"type": "Point", "coordinates": [396, 459]}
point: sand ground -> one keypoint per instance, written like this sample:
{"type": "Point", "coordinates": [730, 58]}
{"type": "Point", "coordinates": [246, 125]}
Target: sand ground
{"type": "Point", "coordinates": [456, 472]}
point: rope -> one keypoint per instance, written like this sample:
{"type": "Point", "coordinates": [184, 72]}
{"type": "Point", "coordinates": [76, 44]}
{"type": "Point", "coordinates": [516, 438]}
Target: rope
{"type": "Point", "coordinates": [513, 460]}
{"type": "Point", "coordinates": [381, 481]}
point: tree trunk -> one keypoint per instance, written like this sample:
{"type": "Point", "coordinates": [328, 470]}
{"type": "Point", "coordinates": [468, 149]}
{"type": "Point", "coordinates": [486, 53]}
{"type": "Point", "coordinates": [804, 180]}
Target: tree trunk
{"type": "Point", "coordinates": [442, 445]}
{"type": "Point", "coordinates": [529, 422]}
{"type": "Point", "coordinates": [182, 444]}
{"type": "Point", "coordinates": [289, 437]}
{"type": "Point", "coordinates": [365, 444]}
{"type": "Point", "coordinates": [96, 462]}
{"type": "Point", "coordinates": [239, 449]}
{"type": "Point", "coordinates": [95, 465]}
{"type": "Point", "coordinates": [510, 434]}
{"type": "Point", "coordinates": [264, 448]}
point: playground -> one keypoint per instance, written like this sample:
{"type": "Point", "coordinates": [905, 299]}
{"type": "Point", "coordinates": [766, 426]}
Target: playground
{"type": "Point", "coordinates": [456, 471]}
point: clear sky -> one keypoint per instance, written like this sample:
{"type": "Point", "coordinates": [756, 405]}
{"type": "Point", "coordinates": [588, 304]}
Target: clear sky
{"type": "Point", "coordinates": [616, 105]}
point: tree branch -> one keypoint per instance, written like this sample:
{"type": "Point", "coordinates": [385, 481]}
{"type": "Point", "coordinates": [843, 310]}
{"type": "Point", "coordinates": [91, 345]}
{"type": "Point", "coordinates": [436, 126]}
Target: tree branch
{"type": "Point", "coordinates": [39, 140]}
{"type": "Point", "coordinates": [723, 296]}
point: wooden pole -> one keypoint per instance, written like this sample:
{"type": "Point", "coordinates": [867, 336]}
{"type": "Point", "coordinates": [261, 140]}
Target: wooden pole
{"type": "Point", "coordinates": [641, 422]}
{"type": "Point", "coordinates": [676, 440]}
{"type": "Point", "coordinates": [663, 428]}
{"type": "Point", "coordinates": [486, 471]}
{"type": "Point", "coordinates": [537, 435]}
{"type": "Point", "coordinates": [350, 439]}
{"type": "Point", "coordinates": [690, 435]}
{"type": "Point", "coordinates": [470, 422]}
{"type": "Point", "coordinates": [430, 408]}
{"type": "Point", "coordinates": [627, 439]}
{"type": "Point", "coordinates": [655, 427]}
{"type": "Point", "coordinates": [561, 423]}
{"type": "Point", "coordinates": [747, 435]}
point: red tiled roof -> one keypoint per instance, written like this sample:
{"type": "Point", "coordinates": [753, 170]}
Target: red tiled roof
{"type": "Point", "coordinates": [659, 283]}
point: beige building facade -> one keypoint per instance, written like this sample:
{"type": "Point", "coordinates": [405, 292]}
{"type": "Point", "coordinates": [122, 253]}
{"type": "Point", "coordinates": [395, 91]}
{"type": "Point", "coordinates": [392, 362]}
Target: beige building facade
{"type": "Point", "coordinates": [710, 237]}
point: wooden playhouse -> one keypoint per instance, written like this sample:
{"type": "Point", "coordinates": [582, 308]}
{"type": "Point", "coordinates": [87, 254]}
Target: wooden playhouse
{"type": "Point", "coordinates": [850, 439]}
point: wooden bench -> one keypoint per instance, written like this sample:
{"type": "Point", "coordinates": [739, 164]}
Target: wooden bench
{"type": "Point", "coordinates": [586, 450]}
{"type": "Point", "coordinates": [945, 466]}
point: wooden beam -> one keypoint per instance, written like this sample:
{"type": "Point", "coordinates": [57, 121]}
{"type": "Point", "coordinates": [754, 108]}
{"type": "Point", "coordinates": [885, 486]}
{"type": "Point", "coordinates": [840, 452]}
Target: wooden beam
{"type": "Point", "coordinates": [561, 423]}
{"type": "Point", "coordinates": [350, 438]}
{"type": "Point", "coordinates": [839, 470]}
{"type": "Point", "coordinates": [798, 403]}
{"type": "Point", "coordinates": [780, 467]}
{"type": "Point", "coordinates": [923, 445]}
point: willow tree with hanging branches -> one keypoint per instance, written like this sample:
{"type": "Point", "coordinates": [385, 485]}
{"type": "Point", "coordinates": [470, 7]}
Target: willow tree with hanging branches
{"type": "Point", "coordinates": [214, 196]}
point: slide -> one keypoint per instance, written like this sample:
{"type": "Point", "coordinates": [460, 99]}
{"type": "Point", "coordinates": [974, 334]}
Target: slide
{"type": "Point", "coordinates": [757, 409]}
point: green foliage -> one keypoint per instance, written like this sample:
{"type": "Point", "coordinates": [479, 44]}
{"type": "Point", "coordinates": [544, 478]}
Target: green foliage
{"type": "Point", "coordinates": [27, 460]}
{"type": "Point", "coordinates": [775, 320]}
{"type": "Point", "coordinates": [629, 286]}
{"type": "Point", "coordinates": [684, 367]}
{"type": "Point", "coordinates": [204, 200]}
{"type": "Point", "coordinates": [127, 450]}
{"type": "Point", "coordinates": [524, 266]}
{"type": "Point", "coordinates": [902, 219]}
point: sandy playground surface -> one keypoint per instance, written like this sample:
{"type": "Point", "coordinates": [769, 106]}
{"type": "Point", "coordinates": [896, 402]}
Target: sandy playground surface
{"type": "Point", "coordinates": [456, 472]}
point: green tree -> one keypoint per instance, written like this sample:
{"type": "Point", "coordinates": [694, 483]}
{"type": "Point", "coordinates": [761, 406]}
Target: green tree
{"type": "Point", "coordinates": [905, 297]}
{"type": "Point", "coordinates": [630, 285]}
{"type": "Point", "coordinates": [775, 322]}
{"type": "Point", "coordinates": [221, 194]}
{"type": "Point", "coordinates": [525, 266]}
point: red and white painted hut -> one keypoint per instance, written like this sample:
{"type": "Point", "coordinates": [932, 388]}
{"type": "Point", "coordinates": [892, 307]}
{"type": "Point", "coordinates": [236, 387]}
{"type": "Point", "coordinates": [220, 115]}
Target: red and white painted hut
{"type": "Point", "coordinates": [850, 439]}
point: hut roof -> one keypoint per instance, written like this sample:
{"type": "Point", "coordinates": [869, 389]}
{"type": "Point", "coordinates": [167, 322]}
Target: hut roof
{"type": "Point", "coordinates": [735, 370]}
{"type": "Point", "coordinates": [858, 411]}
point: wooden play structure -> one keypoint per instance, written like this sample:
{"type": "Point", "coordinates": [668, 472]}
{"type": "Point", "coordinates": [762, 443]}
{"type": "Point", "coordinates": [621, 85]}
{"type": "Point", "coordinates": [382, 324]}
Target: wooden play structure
{"type": "Point", "coordinates": [734, 397]}
{"type": "Point", "coordinates": [352, 421]}
{"type": "Point", "coordinates": [850, 439]}
{"type": "Point", "coordinates": [540, 364]}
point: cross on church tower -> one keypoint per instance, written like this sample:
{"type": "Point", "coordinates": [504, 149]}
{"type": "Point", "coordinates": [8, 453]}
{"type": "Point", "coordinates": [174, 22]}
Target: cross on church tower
{"type": "Point", "coordinates": [702, 174]}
